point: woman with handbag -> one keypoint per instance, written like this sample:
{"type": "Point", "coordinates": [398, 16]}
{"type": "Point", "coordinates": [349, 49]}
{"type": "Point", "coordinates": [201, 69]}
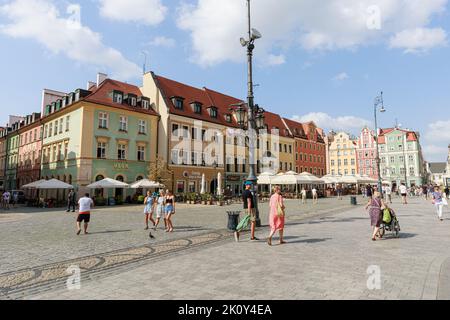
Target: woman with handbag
{"type": "Point", "coordinates": [276, 216]}
{"type": "Point", "coordinates": [376, 206]}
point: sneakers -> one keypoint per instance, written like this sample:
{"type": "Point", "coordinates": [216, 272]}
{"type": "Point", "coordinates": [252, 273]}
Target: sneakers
{"type": "Point", "coordinates": [254, 239]}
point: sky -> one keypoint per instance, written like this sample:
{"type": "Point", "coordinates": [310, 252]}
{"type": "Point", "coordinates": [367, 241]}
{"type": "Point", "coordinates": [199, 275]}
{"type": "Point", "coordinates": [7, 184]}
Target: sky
{"type": "Point", "coordinates": [324, 61]}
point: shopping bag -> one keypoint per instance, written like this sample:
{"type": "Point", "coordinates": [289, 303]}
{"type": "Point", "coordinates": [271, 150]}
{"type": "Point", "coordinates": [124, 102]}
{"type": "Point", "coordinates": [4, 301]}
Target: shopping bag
{"type": "Point", "coordinates": [243, 224]}
{"type": "Point", "coordinates": [444, 201]}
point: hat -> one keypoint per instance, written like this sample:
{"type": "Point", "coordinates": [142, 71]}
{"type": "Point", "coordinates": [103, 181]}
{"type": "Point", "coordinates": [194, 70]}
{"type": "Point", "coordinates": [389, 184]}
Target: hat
{"type": "Point", "coordinates": [248, 183]}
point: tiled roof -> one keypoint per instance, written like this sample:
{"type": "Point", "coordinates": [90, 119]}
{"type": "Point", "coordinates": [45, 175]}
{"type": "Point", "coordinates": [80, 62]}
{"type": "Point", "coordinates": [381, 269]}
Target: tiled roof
{"type": "Point", "coordinates": [273, 121]}
{"type": "Point", "coordinates": [208, 98]}
{"type": "Point", "coordinates": [102, 95]}
{"type": "Point", "coordinates": [411, 135]}
{"type": "Point", "coordinates": [438, 167]}
{"type": "Point", "coordinates": [296, 128]}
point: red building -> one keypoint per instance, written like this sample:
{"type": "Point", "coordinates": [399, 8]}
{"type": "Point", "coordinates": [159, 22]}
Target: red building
{"type": "Point", "coordinates": [310, 150]}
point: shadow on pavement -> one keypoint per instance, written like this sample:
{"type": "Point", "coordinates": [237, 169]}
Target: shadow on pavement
{"type": "Point", "coordinates": [311, 240]}
{"type": "Point", "coordinates": [110, 231]}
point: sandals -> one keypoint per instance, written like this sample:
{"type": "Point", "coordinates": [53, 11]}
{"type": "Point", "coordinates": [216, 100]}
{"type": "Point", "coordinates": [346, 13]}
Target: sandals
{"type": "Point", "coordinates": [269, 241]}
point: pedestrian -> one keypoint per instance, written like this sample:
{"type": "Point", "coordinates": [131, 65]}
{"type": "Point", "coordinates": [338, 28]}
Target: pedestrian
{"type": "Point", "coordinates": [248, 199]}
{"type": "Point", "coordinates": [160, 209]}
{"type": "Point", "coordinates": [315, 195]}
{"type": "Point", "coordinates": [369, 191]}
{"type": "Point", "coordinates": [375, 206]}
{"type": "Point", "coordinates": [71, 198]}
{"type": "Point", "coordinates": [15, 198]}
{"type": "Point", "coordinates": [149, 203]}
{"type": "Point", "coordinates": [6, 198]}
{"type": "Point", "coordinates": [404, 193]}
{"type": "Point", "coordinates": [85, 204]}
{"type": "Point", "coordinates": [364, 192]}
{"type": "Point", "coordinates": [447, 192]}
{"type": "Point", "coordinates": [276, 215]}
{"type": "Point", "coordinates": [303, 196]}
{"type": "Point", "coordinates": [439, 201]}
{"type": "Point", "coordinates": [388, 192]}
{"type": "Point", "coordinates": [339, 192]}
{"type": "Point", "coordinates": [170, 211]}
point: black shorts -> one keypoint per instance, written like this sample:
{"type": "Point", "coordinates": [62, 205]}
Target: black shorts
{"type": "Point", "coordinates": [404, 195]}
{"type": "Point", "coordinates": [84, 217]}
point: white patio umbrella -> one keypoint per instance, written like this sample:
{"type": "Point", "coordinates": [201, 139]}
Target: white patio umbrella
{"type": "Point", "coordinates": [203, 191]}
{"type": "Point", "coordinates": [219, 184]}
{"type": "Point", "coordinates": [33, 185]}
{"type": "Point", "coordinates": [332, 179]}
{"type": "Point", "coordinates": [349, 179]}
{"type": "Point", "coordinates": [290, 178]}
{"type": "Point", "coordinates": [265, 178]}
{"type": "Point", "coordinates": [108, 183]}
{"type": "Point", "coordinates": [53, 184]}
{"type": "Point", "coordinates": [312, 178]}
{"type": "Point", "coordinates": [146, 184]}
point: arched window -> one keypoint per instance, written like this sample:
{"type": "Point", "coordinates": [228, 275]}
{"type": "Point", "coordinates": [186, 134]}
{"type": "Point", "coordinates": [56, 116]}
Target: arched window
{"type": "Point", "coordinates": [120, 178]}
{"type": "Point", "coordinates": [99, 177]}
{"type": "Point", "coordinates": [70, 179]}
{"type": "Point", "coordinates": [139, 178]}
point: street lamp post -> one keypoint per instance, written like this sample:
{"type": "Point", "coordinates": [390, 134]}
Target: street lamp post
{"type": "Point", "coordinates": [251, 117]}
{"type": "Point", "coordinates": [378, 102]}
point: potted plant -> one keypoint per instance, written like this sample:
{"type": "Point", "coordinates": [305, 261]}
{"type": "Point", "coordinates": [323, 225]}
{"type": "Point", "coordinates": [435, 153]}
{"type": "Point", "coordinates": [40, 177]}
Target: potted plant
{"type": "Point", "coordinates": [220, 200]}
{"type": "Point", "coordinates": [209, 199]}
{"type": "Point", "coordinates": [203, 198]}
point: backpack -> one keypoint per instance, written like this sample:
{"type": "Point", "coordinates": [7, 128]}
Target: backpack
{"type": "Point", "coordinates": [387, 218]}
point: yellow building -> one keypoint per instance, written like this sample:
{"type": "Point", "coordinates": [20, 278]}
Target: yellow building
{"type": "Point", "coordinates": [342, 154]}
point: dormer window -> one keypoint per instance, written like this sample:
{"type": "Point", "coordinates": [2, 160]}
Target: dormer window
{"type": "Point", "coordinates": [228, 118]}
{"type": "Point", "coordinates": [197, 107]}
{"type": "Point", "coordinates": [117, 97]}
{"type": "Point", "coordinates": [213, 112]}
{"type": "Point", "coordinates": [132, 100]}
{"type": "Point", "coordinates": [145, 103]}
{"type": "Point", "coordinates": [178, 102]}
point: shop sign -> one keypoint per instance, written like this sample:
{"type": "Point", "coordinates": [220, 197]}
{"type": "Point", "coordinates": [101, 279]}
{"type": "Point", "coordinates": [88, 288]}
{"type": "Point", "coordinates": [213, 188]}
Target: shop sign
{"type": "Point", "coordinates": [192, 175]}
{"type": "Point", "coordinates": [121, 166]}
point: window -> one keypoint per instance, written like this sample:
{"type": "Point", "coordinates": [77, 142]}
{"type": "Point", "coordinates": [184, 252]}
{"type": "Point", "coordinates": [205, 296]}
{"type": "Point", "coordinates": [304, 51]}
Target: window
{"type": "Point", "coordinates": [101, 150]}
{"type": "Point", "coordinates": [141, 153]}
{"type": "Point", "coordinates": [61, 126]}
{"type": "Point", "coordinates": [175, 131]}
{"type": "Point", "coordinates": [174, 156]}
{"type": "Point", "coordinates": [121, 152]}
{"type": "Point", "coordinates": [412, 171]}
{"type": "Point", "coordinates": [59, 152]}
{"type": "Point", "coordinates": [103, 120]}
{"type": "Point", "coordinates": [123, 123]}
{"type": "Point", "coordinates": [197, 108]}
{"type": "Point", "coordinates": [67, 123]}
{"type": "Point", "coordinates": [228, 118]}
{"type": "Point", "coordinates": [142, 124]}
{"type": "Point", "coordinates": [50, 130]}
{"type": "Point", "coordinates": [185, 132]}
{"type": "Point", "coordinates": [35, 134]}
{"type": "Point", "coordinates": [133, 101]}
{"type": "Point", "coordinates": [145, 104]}
{"type": "Point", "coordinates": [213, 112]}
{"type": "Point", "coordinates": [118, 97]}
{"type": "Point", "coordinates": [54, 154]}
{"type": "Point", "coordinates": [66, 150]}
{"type": "Point", "coordinates": [178, 103]}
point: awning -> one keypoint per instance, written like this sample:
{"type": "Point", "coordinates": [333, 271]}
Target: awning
{"type": "Point", "coordinates": [146, 184]}
{"type": "Point", "coordinates": [33, 185]}
{"type": "Point", "coordinates": [53, 184]}
{"type": "Point", "coordinates": [265, 178]}
{"type": "Point", "coordinates": [108, 183]}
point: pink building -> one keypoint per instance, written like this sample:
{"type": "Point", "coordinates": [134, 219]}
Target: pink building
{"type": "Point", "coordinates": [366, 152]}
{"type": "Point", "coordinates": [30, 145]}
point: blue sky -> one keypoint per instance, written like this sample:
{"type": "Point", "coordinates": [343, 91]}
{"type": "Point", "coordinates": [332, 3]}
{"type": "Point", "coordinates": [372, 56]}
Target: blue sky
{"type": "Point", "coordinates": [324, 62]}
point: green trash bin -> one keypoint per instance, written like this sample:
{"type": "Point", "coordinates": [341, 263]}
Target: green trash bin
{"type": "Point", "coordinates": [233, 220]}
{"type": "Point", "coordinates": [353, 200]}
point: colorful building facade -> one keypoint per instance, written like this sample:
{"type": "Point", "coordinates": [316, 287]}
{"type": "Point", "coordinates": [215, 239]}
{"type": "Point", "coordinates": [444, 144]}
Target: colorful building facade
{"type": "Point", "coordinates": [343, 154]}
{"type": "Point", "coordinates": [30, 147]}
{"type": "Point", "coordinates": [401, 157]}
{"type": "Point", "coordinates": [367, 153]}
{"type": "Point", "coordinates": [108, 131]}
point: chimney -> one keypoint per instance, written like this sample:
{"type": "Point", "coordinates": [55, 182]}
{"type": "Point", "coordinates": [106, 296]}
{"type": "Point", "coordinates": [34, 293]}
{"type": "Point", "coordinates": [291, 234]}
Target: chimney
{"type": "Point", "coordinates": [100, 78]}
{"type": "Point", "coordinates": [90, 84]}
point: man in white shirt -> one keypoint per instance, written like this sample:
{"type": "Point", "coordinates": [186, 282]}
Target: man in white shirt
{"type": "Point", "coordinates": [85, 205]}
{"type": "Point", "coordinates": [404, 193]}
{"type": "Point", "coordinates": [303, 196]}
{"type": "Point", "coordinates": [6, 198]}
{"type": "Point", "coordinates": [315, 196]}
{"type": "Point", "coordinates": [388, 192]}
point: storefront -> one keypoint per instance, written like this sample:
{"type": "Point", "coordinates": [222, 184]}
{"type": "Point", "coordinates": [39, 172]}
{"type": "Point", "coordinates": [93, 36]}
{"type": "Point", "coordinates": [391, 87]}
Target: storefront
{"type": "Point", "coordinates": [189, 180]}
{"type": "Point", "coordinates": [234, 184]}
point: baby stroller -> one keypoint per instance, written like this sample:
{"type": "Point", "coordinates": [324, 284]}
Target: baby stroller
{"type": "Point", "coordinates": [389, 223]}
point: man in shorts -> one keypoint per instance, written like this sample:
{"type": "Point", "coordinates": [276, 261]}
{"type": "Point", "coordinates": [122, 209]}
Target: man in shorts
{"type": "Point", "coordinates": [404, 193]}
{"type": "Point", "coordinates": [6, 199]}
{"type": "Point", "coordinates": [248, 198]}
{"type": "Point", "coordinates": [85, 205]}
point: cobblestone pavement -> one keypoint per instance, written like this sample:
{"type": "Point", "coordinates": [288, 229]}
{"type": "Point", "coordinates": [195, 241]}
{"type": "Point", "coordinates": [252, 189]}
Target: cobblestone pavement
{"type": "Point", "coordinates": [327, 257]}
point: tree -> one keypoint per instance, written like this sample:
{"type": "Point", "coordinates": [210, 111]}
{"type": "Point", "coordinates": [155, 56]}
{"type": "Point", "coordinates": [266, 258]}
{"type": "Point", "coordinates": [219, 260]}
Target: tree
{"type": "Point", "coordinates": [158, 171]}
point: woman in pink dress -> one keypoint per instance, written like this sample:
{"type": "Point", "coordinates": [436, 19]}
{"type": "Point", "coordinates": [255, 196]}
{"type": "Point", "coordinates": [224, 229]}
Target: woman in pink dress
{"type": "Point", "coordinates": [276, 216]}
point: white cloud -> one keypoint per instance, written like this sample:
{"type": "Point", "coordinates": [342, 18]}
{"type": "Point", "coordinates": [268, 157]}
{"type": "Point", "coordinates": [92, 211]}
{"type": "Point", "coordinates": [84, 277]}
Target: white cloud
{"type": "Point", "coordinates": [419, 39]}
{"type": "Point", "coordinates": [215, 26]}
{"type": "Point", "coordinates": [163, 42]}
{"type": "Point", "coordinates": [41, 21]}
{"type": "Point", "coordinates": [438, 131]}
{"type": "Point", "coordinates": [149, 12]}
{"type": "Point", "coordinates": [341, 77]}
{"type": "Point", "coordinates": [324, 120]}
{"type": "Point", "coordinates": [275, 60]}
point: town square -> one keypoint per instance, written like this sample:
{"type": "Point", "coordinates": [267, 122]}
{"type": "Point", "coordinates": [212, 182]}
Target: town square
{"type": "Point", "coordinates": [224, 150]}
